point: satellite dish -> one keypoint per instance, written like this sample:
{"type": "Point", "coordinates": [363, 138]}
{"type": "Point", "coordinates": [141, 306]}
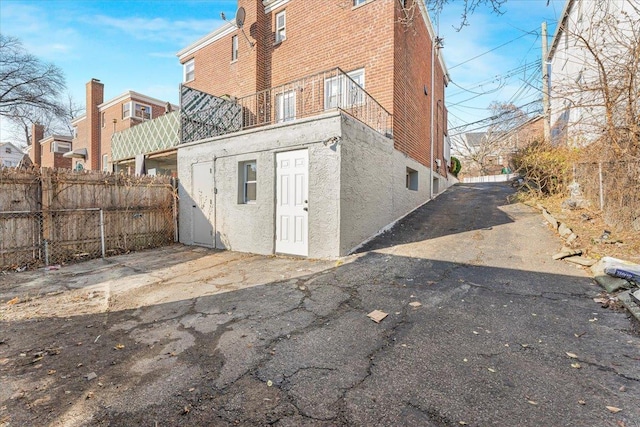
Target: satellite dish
{"type": "Point", "coordinates": [240, 15]}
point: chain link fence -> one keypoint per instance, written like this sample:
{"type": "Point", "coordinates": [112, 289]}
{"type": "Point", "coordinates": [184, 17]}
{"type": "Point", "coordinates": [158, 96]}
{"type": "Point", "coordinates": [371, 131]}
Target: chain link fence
{"type": "Point", "coordinates": [614, 188]}
{"type": "Point", "coordinates": [136, 213]}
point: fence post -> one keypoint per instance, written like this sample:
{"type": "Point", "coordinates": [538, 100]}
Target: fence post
{"type": "Point", "coordinates": [601, 186]}
{"type": "Point", "coordinates": [47, 215]}
{"type": "Point", "coordinates": [102, 232]}
{"type": "Point", "coordinates": [174, 196]}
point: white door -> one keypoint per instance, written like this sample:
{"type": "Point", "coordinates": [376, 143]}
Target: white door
{"type": "Point", "coordinates": [292, 175]}
{"type": "Point", "coordinates": [202, 207]}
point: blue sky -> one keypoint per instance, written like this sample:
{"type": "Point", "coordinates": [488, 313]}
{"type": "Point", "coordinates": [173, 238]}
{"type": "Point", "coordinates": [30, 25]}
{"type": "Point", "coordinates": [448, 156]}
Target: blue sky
{"type": "Point", "coordinates": [131, 45]}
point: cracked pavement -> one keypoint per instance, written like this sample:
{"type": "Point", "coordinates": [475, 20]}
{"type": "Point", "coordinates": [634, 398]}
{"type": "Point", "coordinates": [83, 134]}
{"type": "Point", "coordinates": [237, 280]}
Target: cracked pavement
{"type": "Point", "coordinates": [186, 336]}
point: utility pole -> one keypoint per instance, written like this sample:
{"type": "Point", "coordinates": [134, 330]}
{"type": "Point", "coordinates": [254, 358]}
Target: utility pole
{"type": "Point", "coordinates": [545, 85]}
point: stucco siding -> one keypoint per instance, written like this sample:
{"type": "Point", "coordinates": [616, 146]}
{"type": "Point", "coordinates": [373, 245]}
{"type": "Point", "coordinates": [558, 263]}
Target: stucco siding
{"type": "Point", "coordinates": [367, 189]}
{"type": "Point", "coordinates": [251, 227]}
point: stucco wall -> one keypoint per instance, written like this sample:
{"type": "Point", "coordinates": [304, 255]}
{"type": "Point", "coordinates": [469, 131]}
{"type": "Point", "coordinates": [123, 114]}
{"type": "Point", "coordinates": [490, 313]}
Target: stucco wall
{"type": "Point", "coordinates": [374, 192]}
{"type": "Point", "coordinates": [357, 184]}
{"type": "Point", "coordinates": [250, 227]}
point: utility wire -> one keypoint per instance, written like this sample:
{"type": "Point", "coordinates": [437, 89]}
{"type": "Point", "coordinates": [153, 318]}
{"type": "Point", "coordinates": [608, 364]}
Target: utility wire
{"type": "Point", "coordinates": [495, 48]}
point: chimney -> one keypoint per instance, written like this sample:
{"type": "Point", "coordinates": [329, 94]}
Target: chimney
{"type": "Point", "coordinates": [95, 97]}
{"type": "Point", "coordinates": [37, 133]}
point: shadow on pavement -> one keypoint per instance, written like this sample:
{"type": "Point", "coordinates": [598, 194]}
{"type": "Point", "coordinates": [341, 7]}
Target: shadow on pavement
{"type": "Point", "coordinates": [484, 343]}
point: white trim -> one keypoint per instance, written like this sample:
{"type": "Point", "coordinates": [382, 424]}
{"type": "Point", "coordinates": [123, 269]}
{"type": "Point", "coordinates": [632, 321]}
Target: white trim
{"type": "Point", "coordinates": [78, 119]}
{"type": "Point", "coordinates": [134, 96]}
{"type": "Point", "coordinates": [225, 30]}
{"type": "Point", "coordinates": [271, 5]}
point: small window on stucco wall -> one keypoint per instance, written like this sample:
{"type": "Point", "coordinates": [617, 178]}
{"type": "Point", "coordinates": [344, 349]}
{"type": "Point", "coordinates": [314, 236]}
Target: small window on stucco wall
{"type": "Point", "coordinates": [412, 179]}
{"type": "Point", "coordinates": [248, 180]}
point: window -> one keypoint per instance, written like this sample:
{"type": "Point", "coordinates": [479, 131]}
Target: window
{"type": "Point", "coordinates": [105, 163]}
{"type": "Point", "coordinates": [343, 92]}
{"type": "Point", "coordinates": [7, 150]}
{"type": "Point", "coordinates": [234, 48]}
{"type": "Point", "coordinates": [281, 23]}
{"type": "Point", "coordinates": [102, 119]}
{"type": "Point", "coordinates": [412, 179]}
{"type": "Point", "coordinates": [60, 147]}
{"type": "Point", "coordinates": [286, 106]}
{"type": "Point", "coordinates": [189, 70]}
{"type": "Point", "coordinates": [357, 2]}
{"type": "Point", "coordinates": [249, 181]}
{"type": "Point", "coordinates": [140, 111]}
{"type": "Point", "coordinates": [126, 110]}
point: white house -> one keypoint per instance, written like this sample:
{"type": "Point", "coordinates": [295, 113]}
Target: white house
{"type": "Point", "coordinates": [10, 155]}
{"type": "Point", "coordinates": [592, 60]}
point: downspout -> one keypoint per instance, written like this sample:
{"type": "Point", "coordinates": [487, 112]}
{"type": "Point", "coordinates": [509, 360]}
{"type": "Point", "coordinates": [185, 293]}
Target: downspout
{"type": "Point", "coordinates": [433, 49]}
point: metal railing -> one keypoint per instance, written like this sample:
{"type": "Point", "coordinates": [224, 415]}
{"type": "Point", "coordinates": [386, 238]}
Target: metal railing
{"type": "Point", "coordinates": [302, 98]}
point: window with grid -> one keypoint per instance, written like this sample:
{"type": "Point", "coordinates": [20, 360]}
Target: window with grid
{"type": "Point", "coordinates": [343, 92]}
{"type": "Point", "coordinates": [249, 182]}
{"type": "Point", "coordinates": [281, 24]}
{"type": "Point", "coordinates": [286, 106]}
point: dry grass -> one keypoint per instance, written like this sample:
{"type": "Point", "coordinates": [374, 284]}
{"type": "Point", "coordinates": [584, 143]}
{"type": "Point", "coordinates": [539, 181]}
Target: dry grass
{"type": "Point", "coordinates": [588, 224]}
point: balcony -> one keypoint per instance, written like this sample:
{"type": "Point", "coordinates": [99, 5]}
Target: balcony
{"type": "Point", "coordinates": [205, 116]}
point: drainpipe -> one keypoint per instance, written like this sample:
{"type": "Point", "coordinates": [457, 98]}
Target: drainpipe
{"type": "Point", "coordinates": [433, 54]}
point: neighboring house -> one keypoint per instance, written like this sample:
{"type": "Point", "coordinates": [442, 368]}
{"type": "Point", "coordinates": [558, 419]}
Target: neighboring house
{"type": "Point", "coordinates": [49, 152]}
{"type": "Point", "coordinates": [487, 153]}
{"type": "Point", "coordinates": [594, 46]}
{"type": "Point", "coordinates": [10, 155]}
{"type": "Point", "coordinates": [93, 131]}
{"type": "Point", "coordinates": [307, 127]}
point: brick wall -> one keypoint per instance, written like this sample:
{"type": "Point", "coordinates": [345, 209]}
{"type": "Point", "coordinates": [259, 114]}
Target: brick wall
{"type": "Point", "coordinates": [95, 97]}
{"type": "Point", "coordinates": [328, 34]}
{"type": "Point", "coordinates": [114, 112]}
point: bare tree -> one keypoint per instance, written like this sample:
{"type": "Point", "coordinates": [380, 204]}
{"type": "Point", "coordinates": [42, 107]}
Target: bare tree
{"type": "Point", "coordinates": [596, 77]}
{"type": "Point", "coordinates": [29, 88]}
{"type": "Point", "coordinates": [488, 151]}
{"type": "Point", "coordinates": [469, 7]}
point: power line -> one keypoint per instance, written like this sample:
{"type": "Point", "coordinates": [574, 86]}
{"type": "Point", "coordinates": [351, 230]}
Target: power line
{"type": "Point", "coordinates": [520, 107]}
{"type": "Point", "coordinates": [495, 48]}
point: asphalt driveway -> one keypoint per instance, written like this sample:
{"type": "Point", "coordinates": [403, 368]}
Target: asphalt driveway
{"type": "Point", "coordinates": [483, 329]}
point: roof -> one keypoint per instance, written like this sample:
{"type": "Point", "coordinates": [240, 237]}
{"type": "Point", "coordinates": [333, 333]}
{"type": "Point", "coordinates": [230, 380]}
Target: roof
{"type": "Point", "coordinates": [4, 144]}
{"type": "Point", "coordinates": [560, 28]}
{"type": "Point", "coordinates": [64, 138]}
{"type": "Point", "coordinates": [230, 27]}
{"type": "Point", "coordinates": [130, 94]}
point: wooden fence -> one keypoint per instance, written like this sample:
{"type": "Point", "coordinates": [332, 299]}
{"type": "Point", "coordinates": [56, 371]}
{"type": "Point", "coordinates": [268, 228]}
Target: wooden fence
{"type": "Point", "coordinates": [52, 216]}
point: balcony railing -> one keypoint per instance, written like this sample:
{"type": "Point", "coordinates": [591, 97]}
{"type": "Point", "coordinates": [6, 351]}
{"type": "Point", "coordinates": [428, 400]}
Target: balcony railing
{"type": "Point", "coordinates": [205, 116]}
{"type": "Point", "coordinates": [150, 136]}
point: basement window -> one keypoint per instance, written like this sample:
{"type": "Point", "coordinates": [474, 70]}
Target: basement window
{"type": "Point", "coordinates": [248, 177]}
{"type": "Point", "coordinates": [412, 179]}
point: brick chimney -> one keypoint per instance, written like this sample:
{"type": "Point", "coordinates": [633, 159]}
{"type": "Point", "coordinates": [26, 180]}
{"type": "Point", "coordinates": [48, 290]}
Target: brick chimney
{"type": "Point", "coordinates": [95, 97]}
{"type": "Point", "coordinates": [37, 133]}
